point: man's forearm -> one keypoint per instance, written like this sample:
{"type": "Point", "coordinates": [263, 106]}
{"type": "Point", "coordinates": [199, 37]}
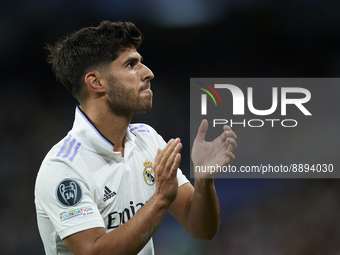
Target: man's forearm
{"type": "Point", "coordinates": [132, 236]}
{"type": "Point", "coordinates": [129, 238]}
{"type": "Point", "coordinates": [203, 214]}
{"type": "Point", "coordinates": [201, 217]}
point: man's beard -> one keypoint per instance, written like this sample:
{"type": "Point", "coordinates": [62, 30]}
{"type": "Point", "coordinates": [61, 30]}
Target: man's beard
{"type": "Point", "coordinates": [123, 102]}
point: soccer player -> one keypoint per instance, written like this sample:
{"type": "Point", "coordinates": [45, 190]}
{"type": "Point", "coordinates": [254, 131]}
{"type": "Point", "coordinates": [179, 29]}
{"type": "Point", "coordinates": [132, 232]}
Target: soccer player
{"type": "Point", "coordinates": [105, 187]}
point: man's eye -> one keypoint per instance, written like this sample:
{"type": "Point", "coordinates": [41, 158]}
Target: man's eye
{"type": "Point", "coordinates": [131, 64]}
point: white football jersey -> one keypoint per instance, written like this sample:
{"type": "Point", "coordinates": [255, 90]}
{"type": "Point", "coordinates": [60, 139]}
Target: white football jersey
{"type": "Point", "coordinates": [82, 183]}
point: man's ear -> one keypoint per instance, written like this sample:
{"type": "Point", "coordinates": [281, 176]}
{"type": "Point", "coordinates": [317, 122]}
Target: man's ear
{"type": "Point", "coordinates": [95, 81]}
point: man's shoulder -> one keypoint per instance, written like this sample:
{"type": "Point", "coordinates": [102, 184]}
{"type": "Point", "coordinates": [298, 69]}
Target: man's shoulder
{"type": "Point", "coordinates": [143, 131]}
{"type": "Point", "coordinates": [141, 128]}
{"type": "Point", "coordinates": [60, 158]}
{"type": "Point", "coordinates": [66, 149]}
{"type": "Point", "coordinates": [146, 134]}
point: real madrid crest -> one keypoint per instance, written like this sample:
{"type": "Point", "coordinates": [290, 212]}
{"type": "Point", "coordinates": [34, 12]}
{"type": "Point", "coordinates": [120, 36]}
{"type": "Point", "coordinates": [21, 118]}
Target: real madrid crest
{"type": "Point", "coordinates": [148, 173]}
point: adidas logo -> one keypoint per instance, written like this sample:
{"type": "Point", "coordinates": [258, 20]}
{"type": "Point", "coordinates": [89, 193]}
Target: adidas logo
{"type": "Point", "coordinates": [108, 194]}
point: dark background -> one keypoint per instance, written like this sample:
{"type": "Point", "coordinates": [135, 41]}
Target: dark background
{"type": "Point", "coordinates": [183, 39]}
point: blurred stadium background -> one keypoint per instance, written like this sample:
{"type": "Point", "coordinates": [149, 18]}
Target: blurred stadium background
{"type": "Point", "coordinates": [183, 39]}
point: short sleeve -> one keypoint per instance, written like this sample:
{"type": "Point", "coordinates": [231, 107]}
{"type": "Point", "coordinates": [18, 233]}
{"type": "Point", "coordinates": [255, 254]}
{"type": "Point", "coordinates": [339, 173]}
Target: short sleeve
{"type": "Point", "coordinates": [182, 179]}
{"type": "Point", "coordinates": [64, 198]}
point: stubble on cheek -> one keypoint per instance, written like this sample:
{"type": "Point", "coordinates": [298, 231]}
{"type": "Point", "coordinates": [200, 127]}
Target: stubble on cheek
{"type": "Point", "coordinates": [124, 102]}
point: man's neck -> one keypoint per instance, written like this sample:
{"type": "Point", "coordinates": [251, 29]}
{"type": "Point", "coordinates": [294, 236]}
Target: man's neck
{"type": "Point", "coordinates": [113, 127]}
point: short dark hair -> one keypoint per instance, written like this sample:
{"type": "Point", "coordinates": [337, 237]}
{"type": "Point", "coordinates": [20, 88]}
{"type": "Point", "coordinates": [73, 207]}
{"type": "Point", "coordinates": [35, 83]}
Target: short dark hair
{"type": "Point", "coordinates": [90, 47]}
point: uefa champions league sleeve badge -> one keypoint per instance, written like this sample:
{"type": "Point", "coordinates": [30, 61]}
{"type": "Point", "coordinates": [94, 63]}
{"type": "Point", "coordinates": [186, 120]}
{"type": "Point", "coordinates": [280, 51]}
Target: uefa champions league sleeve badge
{"type": "Point", "coordinates": [69, 193]}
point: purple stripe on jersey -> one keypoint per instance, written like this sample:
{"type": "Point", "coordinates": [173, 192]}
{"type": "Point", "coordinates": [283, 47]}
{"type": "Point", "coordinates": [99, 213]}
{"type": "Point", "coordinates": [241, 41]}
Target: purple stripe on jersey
{"type": "Point", "coordinates": [100, 135]}
{"type": "Point", "coordinates": [131, 129]}
{"type": "Point", "coordinates": [69, 148]}
{"type": "Point", "coordinates": [64, 145]}
{"type": "Point", "coordinates": [143, 130]}
{"type": "Point", "coordinates": [75, 152]}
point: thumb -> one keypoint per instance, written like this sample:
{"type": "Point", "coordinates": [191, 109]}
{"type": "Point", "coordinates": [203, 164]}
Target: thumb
{"type": "Point", "coordinates": [157, 159]}
{"type": "Point", "coordinates": [202, 130]}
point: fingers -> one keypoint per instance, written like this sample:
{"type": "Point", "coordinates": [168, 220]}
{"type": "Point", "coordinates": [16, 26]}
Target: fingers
{"type": "Point", "coordinates": [230, 138]}
{"type": "Point", "coordinates": [157, 158]}
{"type": "Point", "coordinates": [160, 153]}
{"type": "Point", "coordinates": [230, 157]}
{"type": "Point", "coordinates": [175, 166]}
{"type": "Point", "coordinates": [169, 151]}
{"type": "Point", "coordinates": [229, 133]}
{"type": "Point", "coordinates": [232, 145]}
{"type": "Point", "coordinates": [169, 158]}
{"type": "Point", "coordinates": [226, 128]}
{"type": "Point", "coordinates": [202, 130]}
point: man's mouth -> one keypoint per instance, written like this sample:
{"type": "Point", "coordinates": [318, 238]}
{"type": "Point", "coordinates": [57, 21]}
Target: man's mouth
{"type": "Point", "coordinates": [145, 87]}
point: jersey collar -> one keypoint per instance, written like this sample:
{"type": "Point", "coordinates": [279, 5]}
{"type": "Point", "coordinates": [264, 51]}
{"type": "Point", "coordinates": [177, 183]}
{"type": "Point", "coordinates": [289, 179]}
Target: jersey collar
{"type": "Point", "coordinates": [91, 137]}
